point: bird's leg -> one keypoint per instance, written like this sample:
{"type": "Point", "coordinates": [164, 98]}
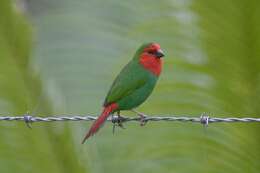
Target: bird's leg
{"type": "Point", "coordinates": [114, 124]}
{"type": "Point", "coordinates": [118, 122]}
{"type": "Point", "coordinates": [142, 117]}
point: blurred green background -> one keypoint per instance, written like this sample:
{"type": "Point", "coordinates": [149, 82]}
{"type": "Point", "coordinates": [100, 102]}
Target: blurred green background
{"type": "Point", "coordinates": [61, 56]}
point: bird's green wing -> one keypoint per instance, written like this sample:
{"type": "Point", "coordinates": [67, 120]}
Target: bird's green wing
{"type": "Point", "coordinates": [129, 80]}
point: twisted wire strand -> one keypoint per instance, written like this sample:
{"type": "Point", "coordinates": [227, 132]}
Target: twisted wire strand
{"type": "Point", "coordinates": [204, 119]}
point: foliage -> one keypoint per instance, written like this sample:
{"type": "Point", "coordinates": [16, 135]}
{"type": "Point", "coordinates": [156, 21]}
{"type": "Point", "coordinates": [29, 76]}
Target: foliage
{"type": "Point", "coordinates": [212, 65]}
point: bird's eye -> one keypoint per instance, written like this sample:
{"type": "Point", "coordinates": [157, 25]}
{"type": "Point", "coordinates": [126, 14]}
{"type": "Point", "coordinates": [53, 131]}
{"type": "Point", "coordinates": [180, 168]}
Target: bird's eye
{"type": "Point", "coordinates": [151, 52]}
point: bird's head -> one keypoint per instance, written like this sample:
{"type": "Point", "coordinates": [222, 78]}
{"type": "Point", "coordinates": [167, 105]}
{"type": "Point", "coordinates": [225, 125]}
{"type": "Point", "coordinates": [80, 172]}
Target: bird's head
{"type": "Point", "coordinates": [151, 50]}
{"type": "Point", "coordinates": [150, 55]}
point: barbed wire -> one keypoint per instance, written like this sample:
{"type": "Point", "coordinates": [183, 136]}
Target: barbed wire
{"type": "Point", "coordinates": [203, 119]}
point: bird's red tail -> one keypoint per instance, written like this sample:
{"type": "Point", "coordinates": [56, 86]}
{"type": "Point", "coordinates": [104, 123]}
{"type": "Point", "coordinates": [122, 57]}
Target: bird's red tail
{"type": "Point", "coordinates": [101, 119]}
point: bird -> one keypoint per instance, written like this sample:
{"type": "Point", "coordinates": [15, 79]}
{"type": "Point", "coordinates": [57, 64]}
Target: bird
{"type": "Point", "coordinates": [133, 85]}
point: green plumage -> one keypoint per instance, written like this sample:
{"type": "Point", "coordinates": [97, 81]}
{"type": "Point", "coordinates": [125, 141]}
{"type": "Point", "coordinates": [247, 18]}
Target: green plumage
{"type": "Point", "coordinates": [132, 86]}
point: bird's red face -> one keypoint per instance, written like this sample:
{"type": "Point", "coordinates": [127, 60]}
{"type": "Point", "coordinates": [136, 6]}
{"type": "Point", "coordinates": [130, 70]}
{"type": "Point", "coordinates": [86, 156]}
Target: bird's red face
{"type": "Point", "coordinates": [151, 58]}
{"type": "Point", "coordinates": [153, 50]}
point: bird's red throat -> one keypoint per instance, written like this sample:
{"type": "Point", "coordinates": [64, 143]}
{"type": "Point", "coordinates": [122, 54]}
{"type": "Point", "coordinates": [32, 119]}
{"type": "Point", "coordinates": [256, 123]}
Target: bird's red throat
{"type": "Point", "coordinates": [151, 63]}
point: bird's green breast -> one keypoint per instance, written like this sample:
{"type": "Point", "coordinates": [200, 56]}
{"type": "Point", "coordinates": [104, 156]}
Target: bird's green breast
{"type": "Point", "coordinates": [139, 95]}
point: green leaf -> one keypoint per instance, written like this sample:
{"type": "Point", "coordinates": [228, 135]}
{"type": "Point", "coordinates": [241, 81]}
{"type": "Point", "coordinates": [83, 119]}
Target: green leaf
{"type": "Point", "coordinates": [212, 65]}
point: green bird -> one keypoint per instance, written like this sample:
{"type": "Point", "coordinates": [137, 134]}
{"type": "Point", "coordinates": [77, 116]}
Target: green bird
{"type": "Point", "coordinates": [133, 85]}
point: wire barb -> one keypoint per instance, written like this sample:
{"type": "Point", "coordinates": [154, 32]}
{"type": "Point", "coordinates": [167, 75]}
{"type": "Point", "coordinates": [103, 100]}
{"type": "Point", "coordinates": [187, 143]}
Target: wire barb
{"type": "Point", "coordinates": [204, 119]}
{"type": "Point", "coordinates": [28, 120]}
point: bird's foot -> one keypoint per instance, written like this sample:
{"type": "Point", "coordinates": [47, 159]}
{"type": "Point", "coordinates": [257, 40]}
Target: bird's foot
{"type": "Point", "coordinates": [142, 116]}
{"type": "Point", "coordinates": [117, 122]}
{"type": "Point", "coordinates": [143, 120]}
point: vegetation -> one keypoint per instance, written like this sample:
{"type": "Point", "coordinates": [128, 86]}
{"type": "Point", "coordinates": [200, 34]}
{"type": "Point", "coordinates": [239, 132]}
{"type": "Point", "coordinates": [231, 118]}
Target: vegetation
{"type": "Point", "coordinates": [62, 57]}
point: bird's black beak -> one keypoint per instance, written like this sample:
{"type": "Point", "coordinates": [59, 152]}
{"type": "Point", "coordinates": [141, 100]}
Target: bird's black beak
{"type": "Point", "coordinates": [159, 54]}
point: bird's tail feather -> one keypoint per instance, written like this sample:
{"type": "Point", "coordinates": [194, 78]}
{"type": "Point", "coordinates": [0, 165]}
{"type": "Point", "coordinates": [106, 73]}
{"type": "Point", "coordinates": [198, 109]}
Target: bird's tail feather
{"type": "Point", "coordinates": [100, 121]}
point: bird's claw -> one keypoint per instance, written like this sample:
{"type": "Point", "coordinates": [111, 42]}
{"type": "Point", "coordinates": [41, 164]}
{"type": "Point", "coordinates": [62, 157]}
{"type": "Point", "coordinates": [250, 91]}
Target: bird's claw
{"type": "Point", "coordinates": [118, 121]}
{"type": "Point", "coordinates": [143, 120]}
{"type": "Point", "coordinates": [142, 116]}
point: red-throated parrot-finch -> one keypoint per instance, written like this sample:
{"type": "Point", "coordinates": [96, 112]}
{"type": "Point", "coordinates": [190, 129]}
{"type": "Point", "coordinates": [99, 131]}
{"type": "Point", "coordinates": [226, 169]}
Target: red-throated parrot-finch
{"type": "Point", "coordinates": [133, 85]}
